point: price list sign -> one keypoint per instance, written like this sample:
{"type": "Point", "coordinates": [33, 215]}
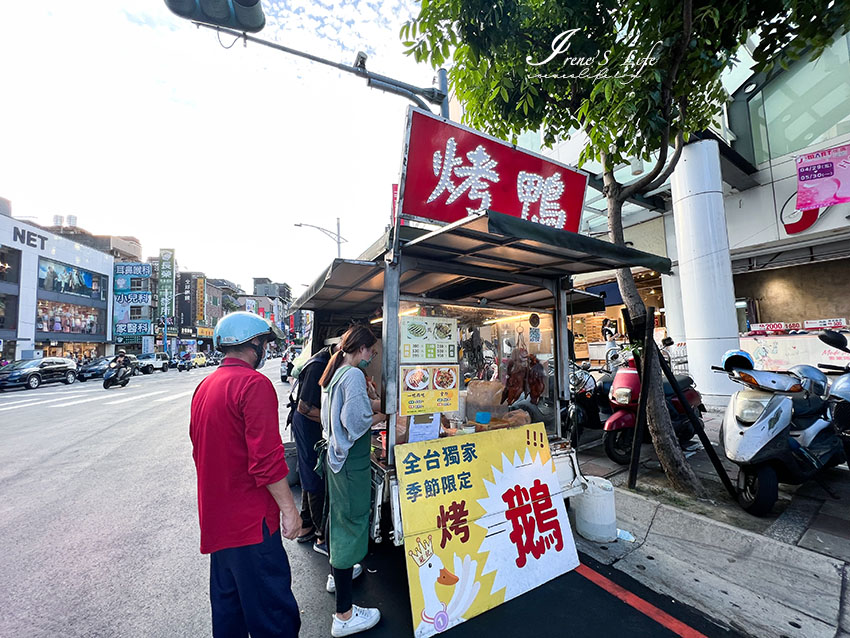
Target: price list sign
{"type": "Point", "coordinates": [428, 340]}
{"type": "Point", "coordinates": [429, 389]}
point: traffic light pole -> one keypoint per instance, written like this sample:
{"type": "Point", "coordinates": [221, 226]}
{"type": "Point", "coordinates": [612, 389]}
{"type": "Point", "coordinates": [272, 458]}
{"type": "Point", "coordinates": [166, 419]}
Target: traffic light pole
{"type": "Point", "coordinates": [438, 96]}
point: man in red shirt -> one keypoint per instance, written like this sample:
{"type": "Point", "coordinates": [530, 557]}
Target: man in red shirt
{"type": "Point", "coordinates": [242, 487]}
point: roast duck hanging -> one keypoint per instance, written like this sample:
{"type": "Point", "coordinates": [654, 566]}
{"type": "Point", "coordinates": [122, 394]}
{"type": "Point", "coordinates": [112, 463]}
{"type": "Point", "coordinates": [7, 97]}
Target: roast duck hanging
{"type": "Point", "coordinates": [525, 374]}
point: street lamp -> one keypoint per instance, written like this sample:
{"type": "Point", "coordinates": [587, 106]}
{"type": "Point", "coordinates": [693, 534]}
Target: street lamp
{"type": "Point", "coordinates": [333, 235]}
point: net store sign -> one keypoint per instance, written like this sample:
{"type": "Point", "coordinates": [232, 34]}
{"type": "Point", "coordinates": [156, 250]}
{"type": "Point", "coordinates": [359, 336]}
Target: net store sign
{"type": "Point", "coordinates": [28, 238]}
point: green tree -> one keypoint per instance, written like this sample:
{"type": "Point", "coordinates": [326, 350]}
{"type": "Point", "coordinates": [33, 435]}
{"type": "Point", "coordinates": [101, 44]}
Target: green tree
{"type": "Point", "coordinates": [636, 76]}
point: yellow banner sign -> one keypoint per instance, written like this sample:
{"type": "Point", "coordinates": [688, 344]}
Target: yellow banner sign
{"type": "Point", "coordinates": [428, 389]}
{"type": "Point", "coordinates": [484, 522]}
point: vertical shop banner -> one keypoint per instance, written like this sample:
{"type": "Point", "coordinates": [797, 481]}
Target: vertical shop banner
{"type": "Point", "coordinates": [450, 172]}
{"type": "Point", "coordinates": [200, 299]}
{"type": "Point", "coordinates": [184, 300]}
{"type": "Point", "coordinates": [484, 522]}
{"type": "Point", "coordinates": [165, 287]}
{"type": "Point", "coordinates": [823, 178]}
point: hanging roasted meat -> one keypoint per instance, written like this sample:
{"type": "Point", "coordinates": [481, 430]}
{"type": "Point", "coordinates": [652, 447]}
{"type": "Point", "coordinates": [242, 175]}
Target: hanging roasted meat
{"type": "Point", "coordinates": [517, 381]}
{"type": "Point", "coordinates": [536, 379]}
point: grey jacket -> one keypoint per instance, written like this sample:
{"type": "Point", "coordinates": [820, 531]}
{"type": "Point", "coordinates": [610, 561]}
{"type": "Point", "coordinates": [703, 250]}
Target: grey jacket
{"type": "Point", "coordinates": [346, 414]}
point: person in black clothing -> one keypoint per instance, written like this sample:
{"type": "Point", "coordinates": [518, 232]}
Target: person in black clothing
{"type": "Point", "coordinates": [307, 428]}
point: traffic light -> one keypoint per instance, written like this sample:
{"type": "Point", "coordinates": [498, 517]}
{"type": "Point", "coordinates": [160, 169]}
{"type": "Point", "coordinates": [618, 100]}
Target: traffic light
{"type": "Point", "coordinates": [242, 15]}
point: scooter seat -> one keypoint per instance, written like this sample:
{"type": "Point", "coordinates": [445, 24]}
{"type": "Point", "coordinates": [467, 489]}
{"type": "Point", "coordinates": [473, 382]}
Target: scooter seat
{"type": "Point", "coordinates": [683, 380]}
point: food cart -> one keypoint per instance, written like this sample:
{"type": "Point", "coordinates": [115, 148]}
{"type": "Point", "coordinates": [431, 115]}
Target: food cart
{"type": "Point", "coordinates": [492, 276]}
{"type": "Point", "coordinates": [474, 352]}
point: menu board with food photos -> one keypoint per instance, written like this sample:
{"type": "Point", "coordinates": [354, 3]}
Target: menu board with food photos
{"type": "Point", "coordinates": [428, 340]}
{"type": "Point", "coordinates": [426, 389]}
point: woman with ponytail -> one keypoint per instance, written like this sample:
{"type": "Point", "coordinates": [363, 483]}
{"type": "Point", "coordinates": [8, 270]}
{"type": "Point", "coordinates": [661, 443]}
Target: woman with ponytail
{"type": "Point", "coordinates": [348, 415]}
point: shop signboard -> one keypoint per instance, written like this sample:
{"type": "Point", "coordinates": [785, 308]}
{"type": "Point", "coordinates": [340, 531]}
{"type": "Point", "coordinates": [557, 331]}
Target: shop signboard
{"type": "Point", "coordinates": [825, 323]}
{"type": "Point", "coordinates": [134, 327]}
{"type": "Point", "coordinates": [165, 288]}
{"type": "Point", "coordinates": [125, 272]}
{"type": "Point", "coordinates": [450, 172]}
{"type": "Point", "coordinates": [205, 333]}
{"type": "Point", "coordinates": [484, 522]}
{"type": "Point", "coordinates": [184, 299]}
{"type": "Point", "coordinates": [147, 345]}
{"type": "Point", "coordinates": [823, 178]}
{"type": "Point", "coordinates": [782, 352]}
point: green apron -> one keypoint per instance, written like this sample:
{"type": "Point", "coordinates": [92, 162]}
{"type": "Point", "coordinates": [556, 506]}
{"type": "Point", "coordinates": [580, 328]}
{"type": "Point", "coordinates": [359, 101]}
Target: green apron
{"type": "Point", "coordinates": [350, 505]}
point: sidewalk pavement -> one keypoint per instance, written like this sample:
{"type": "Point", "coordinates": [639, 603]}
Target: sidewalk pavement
{"type": "Point", "coordinates": [785, 575]}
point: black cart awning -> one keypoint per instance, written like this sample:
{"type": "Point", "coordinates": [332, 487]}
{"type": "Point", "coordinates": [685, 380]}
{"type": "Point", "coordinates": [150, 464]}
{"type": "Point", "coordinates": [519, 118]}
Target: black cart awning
{"type": "Point", "coordinates": [493, 256]}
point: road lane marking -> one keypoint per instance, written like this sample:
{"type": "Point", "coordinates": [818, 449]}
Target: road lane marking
{"type": "Point", "coordinates": [174, 396]}
{"type": "Point", "coordinates": [70, 403]}
{"type": "Point", "coordinates": [35, 402]}
{"type": "Point", "coordinates": [137, 396]}
{"type": "Point", "coordinates": [661, 617]}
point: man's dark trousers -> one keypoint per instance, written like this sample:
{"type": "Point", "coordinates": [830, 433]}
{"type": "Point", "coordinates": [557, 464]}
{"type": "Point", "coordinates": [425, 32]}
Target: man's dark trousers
{"type": "Point", "coordinates": [251, 591]}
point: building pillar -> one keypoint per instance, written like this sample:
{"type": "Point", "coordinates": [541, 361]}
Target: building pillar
{"type": "Point", "coordinates": [704, 267]}
{"type": "Point", "coordinates": [27, 305]}
{"type": "Point", "coordinates": [674, 318]}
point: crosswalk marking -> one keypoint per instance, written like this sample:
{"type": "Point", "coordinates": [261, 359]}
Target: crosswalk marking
{"type": "Point", "coordinates": [138, 396]}
{"type": "Point", "coordinates": [174, 396]}
{"type": "Point", "coordinates": [33, 402]}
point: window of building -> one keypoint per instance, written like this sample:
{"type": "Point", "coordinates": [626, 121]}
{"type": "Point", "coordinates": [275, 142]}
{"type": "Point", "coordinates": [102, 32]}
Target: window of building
{"type": "Point", "coordinates": [60, 317]}
{"type": "Point", "coordinates": [8, 312]}
{"type": "Point", "coordinates": [808, 104]}
{"type": "Point", "coordinates": [71, 280]}
{"type": "Point", "coordinates": [136, 312]}
{"type": "Point", "coordinates": [137, 283]}
{"type": "Point", "coordinates": [10, 265]}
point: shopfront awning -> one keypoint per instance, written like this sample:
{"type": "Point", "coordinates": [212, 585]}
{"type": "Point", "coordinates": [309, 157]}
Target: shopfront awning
{"type": "Point", "coordinates": [493, 256]}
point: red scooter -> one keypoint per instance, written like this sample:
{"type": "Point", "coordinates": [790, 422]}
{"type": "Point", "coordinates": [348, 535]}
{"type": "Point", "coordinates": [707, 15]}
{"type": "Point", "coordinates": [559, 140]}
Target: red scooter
{"type": "Point", "coordinates": [624, 396]}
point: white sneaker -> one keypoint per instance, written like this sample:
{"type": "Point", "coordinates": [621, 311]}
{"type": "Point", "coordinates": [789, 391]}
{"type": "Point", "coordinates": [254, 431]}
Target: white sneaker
{"type": "Point", "coordinates": [362, 618]}
{"type": "Point", "coordinates": [331, 586]}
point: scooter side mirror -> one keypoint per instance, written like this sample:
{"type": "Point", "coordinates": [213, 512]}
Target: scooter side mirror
{"type": "Point", "coordinates": [585, 365]}
{"type": "Point", "coordinates": [834, 339]}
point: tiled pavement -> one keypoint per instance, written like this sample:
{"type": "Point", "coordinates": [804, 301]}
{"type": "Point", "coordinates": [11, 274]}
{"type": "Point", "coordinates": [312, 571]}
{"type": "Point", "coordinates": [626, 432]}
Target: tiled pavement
{"type": "Point", "coordinates": [807, 516]}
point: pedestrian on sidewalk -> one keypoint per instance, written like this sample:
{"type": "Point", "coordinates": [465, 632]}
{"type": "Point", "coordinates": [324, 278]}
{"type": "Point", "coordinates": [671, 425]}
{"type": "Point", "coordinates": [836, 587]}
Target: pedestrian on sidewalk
{"type": "Point", "coordinates": [307, 429]}
{"type": "Point", "coordinates": [242, 487]}
{"type": "Point", "coordinates": [348, 415]}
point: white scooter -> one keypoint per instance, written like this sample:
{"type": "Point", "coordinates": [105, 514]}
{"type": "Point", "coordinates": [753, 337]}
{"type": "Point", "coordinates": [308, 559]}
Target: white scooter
{"type": "Point", "coordinates": [839, 390]}
{"type": "Point", "coordinates": [776, 431]}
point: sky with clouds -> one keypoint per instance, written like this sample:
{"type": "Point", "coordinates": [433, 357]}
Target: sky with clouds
{"type": "Point", "coordinates": [139, 123]}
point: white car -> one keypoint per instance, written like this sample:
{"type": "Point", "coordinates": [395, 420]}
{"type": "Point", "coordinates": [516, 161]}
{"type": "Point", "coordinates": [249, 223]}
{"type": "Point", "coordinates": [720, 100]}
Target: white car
{"type": "Point", "coordinates": [153, 361]}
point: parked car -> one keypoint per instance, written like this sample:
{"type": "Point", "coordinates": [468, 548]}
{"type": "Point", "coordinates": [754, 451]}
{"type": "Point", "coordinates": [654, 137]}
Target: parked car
{"type": "Point", "coordinates": [31, 373]}
{"type": "Point", "coordinates": [153, 361]}
{"type": "Point", "coordinates": [199, 360]}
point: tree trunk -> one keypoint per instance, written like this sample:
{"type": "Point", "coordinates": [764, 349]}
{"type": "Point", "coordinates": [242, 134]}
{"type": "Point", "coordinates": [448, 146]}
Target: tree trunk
{"type": "Point", "coordinates": [676, 467]}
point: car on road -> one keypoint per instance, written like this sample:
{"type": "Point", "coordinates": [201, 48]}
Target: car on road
{"type": "Point", "coordinates": [214, 359]}
{"type": "Point", "coordinates": [199, 360]}
{"type": "Point", "coordinates": [31, 373]}
{"type": "Point", "coordinates": [153, 361]}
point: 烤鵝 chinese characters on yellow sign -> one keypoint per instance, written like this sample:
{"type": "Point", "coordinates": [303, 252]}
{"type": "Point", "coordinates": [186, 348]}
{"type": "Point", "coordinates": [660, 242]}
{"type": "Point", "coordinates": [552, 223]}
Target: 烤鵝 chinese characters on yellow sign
{"type": "Point", "coordinates": [484, 522]}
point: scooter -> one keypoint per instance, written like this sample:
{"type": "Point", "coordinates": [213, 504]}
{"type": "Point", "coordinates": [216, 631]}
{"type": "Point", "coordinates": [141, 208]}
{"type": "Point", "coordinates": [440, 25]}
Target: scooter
{"type": "Point", "coordinates": [589, 406]}
{"type": "Point", "coordinates": [624, 396]}
{"type": "Point", "coordinates": [777, 430]}
{"type": "Point", "coordinates": [116, 376]}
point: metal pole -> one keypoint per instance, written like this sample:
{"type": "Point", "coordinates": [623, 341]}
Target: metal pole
{"type": "Point", "coordinates": [443, 83]}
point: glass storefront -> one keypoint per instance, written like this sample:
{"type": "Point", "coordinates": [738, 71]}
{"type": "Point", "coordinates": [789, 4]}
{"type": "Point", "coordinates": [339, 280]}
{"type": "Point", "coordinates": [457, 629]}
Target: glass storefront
{"type": "Point", "coordinates": [54, 276]}
{"type": "Point", "coordinates": [56, 317]}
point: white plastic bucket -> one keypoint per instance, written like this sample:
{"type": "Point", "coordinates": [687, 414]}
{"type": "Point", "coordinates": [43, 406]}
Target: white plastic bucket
{"type": "Point", "coordinates": [595, 514]}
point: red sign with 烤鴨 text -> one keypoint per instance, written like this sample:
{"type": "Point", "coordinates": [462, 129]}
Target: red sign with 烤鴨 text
{"type": "Point", "coordinates": [452, 172]}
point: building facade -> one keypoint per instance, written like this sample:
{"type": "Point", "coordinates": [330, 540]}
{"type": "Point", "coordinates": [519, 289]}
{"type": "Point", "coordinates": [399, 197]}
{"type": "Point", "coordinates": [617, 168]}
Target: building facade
{"type": "Point", "coordinates": [132, 307]}
{"type": "Point", "coordinates": [54, 293]}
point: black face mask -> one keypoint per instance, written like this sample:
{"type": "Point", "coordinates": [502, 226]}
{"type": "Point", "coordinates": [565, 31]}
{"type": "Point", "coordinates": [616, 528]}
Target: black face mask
{"type": "Point", "coordinates": [260, 351]}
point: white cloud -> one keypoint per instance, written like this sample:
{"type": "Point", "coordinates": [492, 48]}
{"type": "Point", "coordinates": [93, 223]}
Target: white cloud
{"type": "Point", "coordinates": [141, 124]}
